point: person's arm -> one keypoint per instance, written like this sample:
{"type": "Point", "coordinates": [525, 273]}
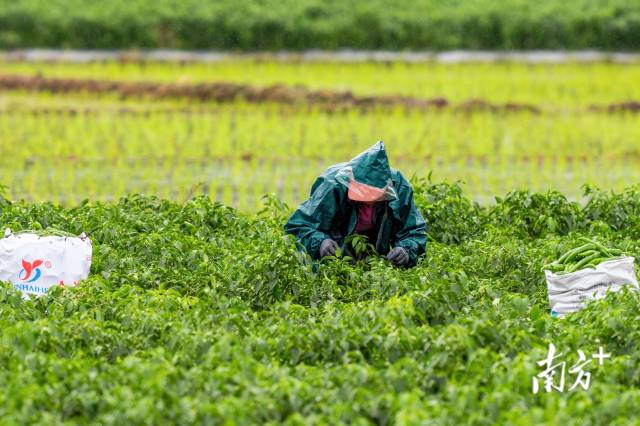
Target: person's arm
{"type": "Point", "coordinates": [311, 222]}
{"type": "Point", "coordinates": [412, 234]}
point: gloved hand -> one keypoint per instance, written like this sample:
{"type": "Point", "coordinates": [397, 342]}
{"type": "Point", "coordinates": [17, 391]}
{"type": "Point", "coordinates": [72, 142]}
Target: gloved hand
{"type": "Point", "coordinates": [328, 247]}
{"type": "Point", "coordinates": [398, 256]}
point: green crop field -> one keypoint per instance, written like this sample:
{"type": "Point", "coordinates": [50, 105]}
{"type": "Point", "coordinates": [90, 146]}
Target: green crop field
{"type": "Point", "coordinates": [501, 127]}
{"type": "Point", "coordinates": [550, 85]}
{"type": "Point", "coordinates": [198, 309]}
{"type": "Point", "coordinates": [196, 314]}
{"type": "Point", "coordinates": [330, 24]}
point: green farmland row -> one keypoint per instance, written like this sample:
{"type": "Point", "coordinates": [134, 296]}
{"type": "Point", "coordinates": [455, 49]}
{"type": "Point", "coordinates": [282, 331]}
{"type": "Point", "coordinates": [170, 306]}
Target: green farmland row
{"type": "Point", "coordinates": [196, 314]}
{"type": "Point", "coordinates": [237, 152]}
{"type": "Point", "coordinates": [308, 24]}
{"type": "Point", "coordinates": [555, 85]}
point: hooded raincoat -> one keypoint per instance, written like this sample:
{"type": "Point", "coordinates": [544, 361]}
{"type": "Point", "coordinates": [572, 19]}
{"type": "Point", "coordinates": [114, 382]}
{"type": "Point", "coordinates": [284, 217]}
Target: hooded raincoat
{"type": "Point", "coordinates": [330, 213]}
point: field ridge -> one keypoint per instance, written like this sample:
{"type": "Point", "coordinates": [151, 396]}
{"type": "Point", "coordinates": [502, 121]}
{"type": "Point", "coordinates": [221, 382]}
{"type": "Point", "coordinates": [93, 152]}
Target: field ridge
{"type": "Point", "coordinates": [278, 93]}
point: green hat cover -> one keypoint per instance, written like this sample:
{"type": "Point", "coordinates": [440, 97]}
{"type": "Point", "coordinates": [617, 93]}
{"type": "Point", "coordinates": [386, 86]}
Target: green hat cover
{"type": "Point", "coordinates": [371, 168]}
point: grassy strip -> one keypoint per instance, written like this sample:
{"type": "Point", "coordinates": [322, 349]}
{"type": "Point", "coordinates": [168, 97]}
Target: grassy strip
{"type": "Point", "coordinates": [237, 152]}
{"type": "Point", "coordinates": [294, 24]}
{"type": "Point", "coordinates": [230, 92]}
{"type": "Point", "coordinates": [569, 84]}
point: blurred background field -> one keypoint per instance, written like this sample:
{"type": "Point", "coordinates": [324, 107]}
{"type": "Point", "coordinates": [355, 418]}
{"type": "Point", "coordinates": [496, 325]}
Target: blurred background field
{"type": "Point", "coordinates": [321, 24]}
{"type": "Point", "coordinates": [496, 126]}
{"type": "Point", "coordinates": [255, 120]}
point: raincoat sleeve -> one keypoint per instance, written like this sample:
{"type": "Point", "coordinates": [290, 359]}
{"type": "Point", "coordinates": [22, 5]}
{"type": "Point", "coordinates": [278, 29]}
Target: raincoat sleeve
{"type": "Point", "coordinates": [311, 222]}
{"type": "Point", "coordinates": [411, 234]}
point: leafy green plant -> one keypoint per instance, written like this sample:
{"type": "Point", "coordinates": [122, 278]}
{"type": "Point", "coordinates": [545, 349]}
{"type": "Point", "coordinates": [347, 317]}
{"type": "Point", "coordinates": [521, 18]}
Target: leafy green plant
{"type": "Point", "coordinates": [450, 216]}
{"type": "Point", "coordinates": [360, 245]}
{"type": "Point", "coordinates": [272, 25]}
{"type": "Point", "coordinates": [196, 313]}
{"type": "Point", "coordinates": [536, 214]}
{"type": "Point", "coordinates": [618, 210]}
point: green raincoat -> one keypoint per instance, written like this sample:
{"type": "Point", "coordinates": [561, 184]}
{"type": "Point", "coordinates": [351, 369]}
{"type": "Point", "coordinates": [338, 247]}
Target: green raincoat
{"type": "Point", "coordinates": [329, 213]}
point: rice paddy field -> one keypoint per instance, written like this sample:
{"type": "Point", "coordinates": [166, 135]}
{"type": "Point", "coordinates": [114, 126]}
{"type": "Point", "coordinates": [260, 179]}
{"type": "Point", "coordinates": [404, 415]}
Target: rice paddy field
{"type": "Point", "coordinates": [238, 129]}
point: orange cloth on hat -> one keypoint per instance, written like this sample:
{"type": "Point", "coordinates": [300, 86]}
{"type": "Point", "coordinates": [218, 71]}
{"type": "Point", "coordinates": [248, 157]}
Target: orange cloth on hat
{"type": "Point", "coordinates": [364, 193]}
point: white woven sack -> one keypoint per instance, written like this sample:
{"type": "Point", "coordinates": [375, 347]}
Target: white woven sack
{"type": "Point", "coordinates": [569, 292]}
{"type": "Point", "coordinates": [33, 263]}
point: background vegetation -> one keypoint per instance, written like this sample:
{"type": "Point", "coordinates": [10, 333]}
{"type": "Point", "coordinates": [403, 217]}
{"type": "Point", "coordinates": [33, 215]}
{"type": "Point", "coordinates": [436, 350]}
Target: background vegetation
{"type": "Point", "coordinates": [173, 326]}
{"type": "Point", "coordinates": [272, 126]}
{"type": "Point", "coordinates": [304, 24]}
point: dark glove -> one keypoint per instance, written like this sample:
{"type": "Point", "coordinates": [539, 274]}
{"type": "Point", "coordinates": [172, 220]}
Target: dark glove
{"type": "Point", "coordinates": [398, 256]}
{"type": "Point", "coordinates": [328, 247]}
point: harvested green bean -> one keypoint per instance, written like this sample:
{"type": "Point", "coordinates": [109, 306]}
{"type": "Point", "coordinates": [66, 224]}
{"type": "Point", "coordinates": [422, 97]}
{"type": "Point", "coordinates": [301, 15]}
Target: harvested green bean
{"type": "Point", "coordinates": [589, 255]}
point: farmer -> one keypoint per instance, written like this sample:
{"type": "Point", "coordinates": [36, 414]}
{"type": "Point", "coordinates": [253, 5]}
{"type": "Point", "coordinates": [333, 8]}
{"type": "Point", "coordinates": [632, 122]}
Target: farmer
{"type": "Point", "coordinates": [363, 197]}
